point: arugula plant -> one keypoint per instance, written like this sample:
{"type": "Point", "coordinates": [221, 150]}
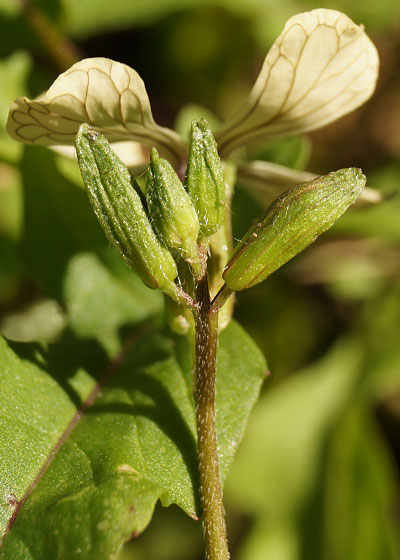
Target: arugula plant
{"type": "Point", "coordinates": [153, 430]}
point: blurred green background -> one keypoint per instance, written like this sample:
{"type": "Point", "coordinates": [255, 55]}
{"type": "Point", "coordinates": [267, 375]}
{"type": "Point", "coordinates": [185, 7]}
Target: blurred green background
{"type": "Point", "coordinates": [317, 477]}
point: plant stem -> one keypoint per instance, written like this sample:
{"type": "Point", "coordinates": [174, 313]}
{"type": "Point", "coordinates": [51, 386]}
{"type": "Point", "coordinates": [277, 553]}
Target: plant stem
{"type": "Point", "coordinates": [62, 51]}
{"type": "Point", "coordinates": [220, 299]}
{"type": "Point", "coordinates": [206, 342]}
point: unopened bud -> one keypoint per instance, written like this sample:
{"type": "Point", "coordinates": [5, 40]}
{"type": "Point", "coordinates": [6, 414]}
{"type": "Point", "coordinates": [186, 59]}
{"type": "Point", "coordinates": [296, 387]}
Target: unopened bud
{"type": "Point", "coordinates": [290, 224]}
{"type": "Point", "coordinates": [171, 210]}
{"type": "Point", "coordinates": [205, 178]}
{"type": "Point", "coordinates": [120, 211]}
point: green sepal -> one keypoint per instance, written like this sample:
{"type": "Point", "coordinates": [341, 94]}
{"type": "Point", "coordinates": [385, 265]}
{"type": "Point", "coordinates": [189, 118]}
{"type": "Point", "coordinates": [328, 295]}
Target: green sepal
{"type": "Point", "coordinates": [120, 211]}
{"type": "Point", "coordinates": [171, 210]}
{"type": "Point", "coordinates": [290, 224]}
{"type": "Point", "coordinates": [205, 178]}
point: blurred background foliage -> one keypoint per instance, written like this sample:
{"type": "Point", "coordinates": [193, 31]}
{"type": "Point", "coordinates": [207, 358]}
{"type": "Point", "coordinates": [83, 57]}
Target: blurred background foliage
{"type": "Point", "coordinates": [317, 476]}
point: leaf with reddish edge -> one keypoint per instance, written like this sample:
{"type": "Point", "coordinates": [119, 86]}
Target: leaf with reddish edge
{"type": "Point", "coordinates": [93, 454]}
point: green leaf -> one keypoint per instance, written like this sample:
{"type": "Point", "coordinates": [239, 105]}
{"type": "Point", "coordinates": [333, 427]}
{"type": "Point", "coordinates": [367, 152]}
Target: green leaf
{"type": "Point", "coordinates": [90, 17]}
{"type": "Point", "coordinates": [64, 248]}
{"type": "Point", "coordinates": [59, 221]}
{"type": "Point", "coordinates": [13, 75]}
{"type": "Point", "coordinates": [40, 389]}
{"type": "Point", "coordinates": [134, 445]}
{"type": "Point", "coordinates": [100, 301]}
{"type": "Point", "coordinates": [359, 464]}
{"type": "Point", "coordinates": [276, 466]}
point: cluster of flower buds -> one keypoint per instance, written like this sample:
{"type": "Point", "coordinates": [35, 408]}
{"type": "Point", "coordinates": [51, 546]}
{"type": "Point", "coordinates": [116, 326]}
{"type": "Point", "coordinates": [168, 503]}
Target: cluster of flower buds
{"type": "Point", "coordinates": [155, 231]}
{"type": "Point", "coordinates": [162, 233]}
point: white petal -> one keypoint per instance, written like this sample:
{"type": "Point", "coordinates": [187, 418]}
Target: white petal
{"type": "Point", "coordinates": [131, 153]}
{"type": "Point", "coordinates": [266, 181]}
{"type": "Point", "coordinates": [106, 94]}
{"type": "Point", "coordinates": [321, 67]}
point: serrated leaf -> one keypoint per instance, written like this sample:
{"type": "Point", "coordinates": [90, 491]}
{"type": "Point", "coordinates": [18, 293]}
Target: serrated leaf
{"type": "Point", "coordinates": [321, 67]}
{"type": "Point", "coordinates": [134, 445]}
{"type": "Point", "coordinates": [106, 94]}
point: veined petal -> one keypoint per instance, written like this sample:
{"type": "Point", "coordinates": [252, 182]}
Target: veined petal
{"type": "Point", "coordinates": [108, 95]}
{"type": "Point", "coordinates": [321, 67]}
{"type": "Point", "coordinates": [266, 181]}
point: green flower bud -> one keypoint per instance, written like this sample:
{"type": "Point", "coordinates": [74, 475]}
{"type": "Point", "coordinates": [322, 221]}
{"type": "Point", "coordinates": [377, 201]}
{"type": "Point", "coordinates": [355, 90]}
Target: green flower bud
{"type": "Point", "coordinates": [205, 178]}
{"type": "Point", "coordinates": [120, 211]}
{"type": "Point", "coordinates": [171, 210]}
{"type": "Point", "coordinates": [290, 224]}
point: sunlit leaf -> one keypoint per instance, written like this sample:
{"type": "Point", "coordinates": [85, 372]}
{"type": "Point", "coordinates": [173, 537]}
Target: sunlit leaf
{"type": "Point", "coordinates": [321, 67]}
{"type": "Point", "coordinates": [114, 458]}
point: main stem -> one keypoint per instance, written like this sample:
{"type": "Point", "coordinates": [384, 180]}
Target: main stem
{"type": "Point", "coordinates": [206, 342]}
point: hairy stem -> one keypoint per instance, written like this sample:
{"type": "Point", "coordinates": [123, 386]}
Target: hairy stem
{"type": "Point", "coordinates": [220, 299]}
{"type": "Point", "coordinates": [206, 342]}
